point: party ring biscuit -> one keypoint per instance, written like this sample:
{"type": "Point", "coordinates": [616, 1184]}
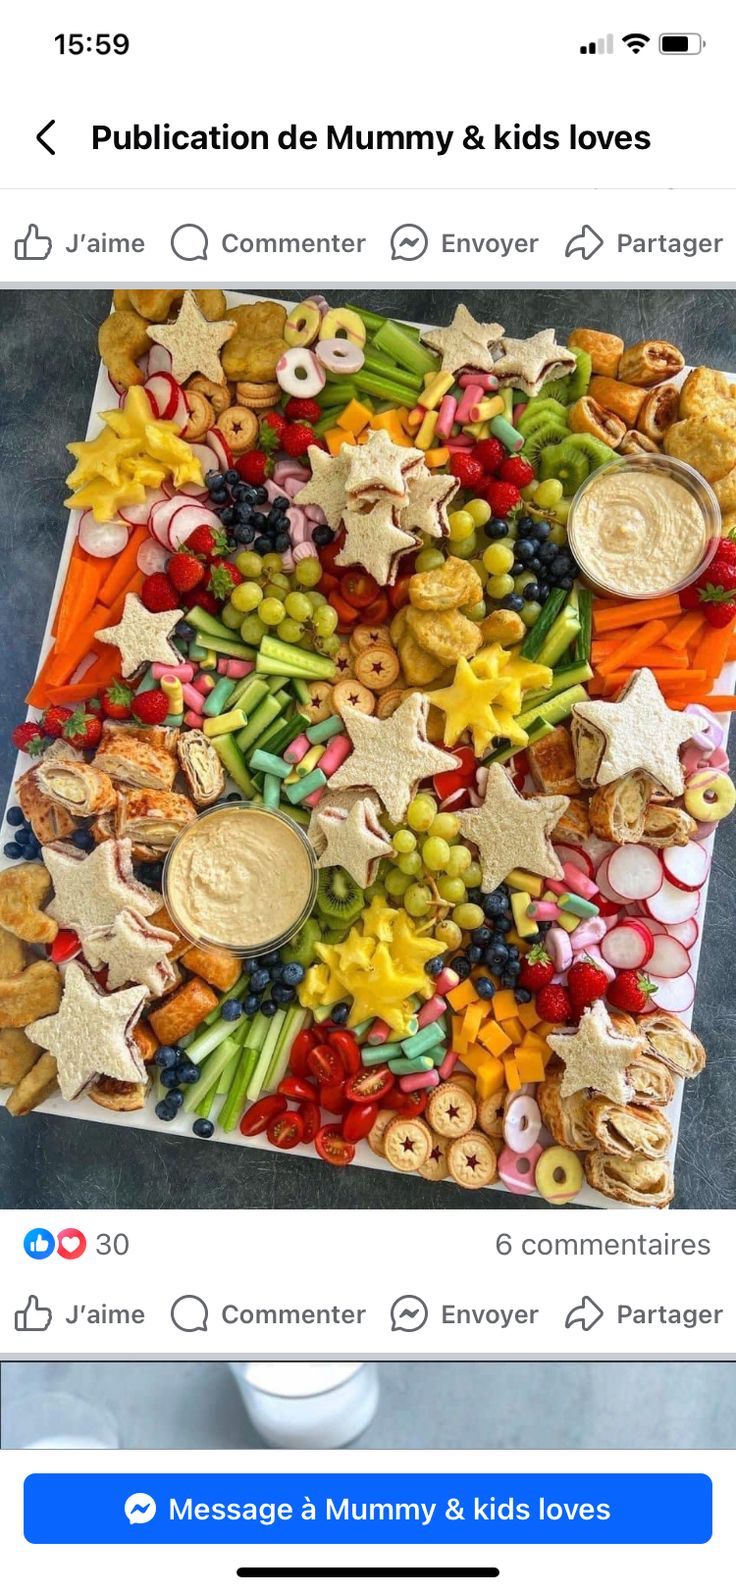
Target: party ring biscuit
{"type": "Point", "coordinates": [407, 1143]}
{"type": "Point", "coordinates": [451, 1110]}
{"type": "Point", "coordinates": [378, 1132]}
{"type": "Point", "coordinates": [239, 427]}
{"type": "Point", "coordinates": [435, 1167]}
{"type": "Point", "coordinates": [491, 1114]}
{"type": "Point", "coordinates": [471, 1161]}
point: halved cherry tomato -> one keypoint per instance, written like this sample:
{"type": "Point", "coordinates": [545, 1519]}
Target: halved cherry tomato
{"type": "Point", "coordinates": [332, 1097]}
{"type": "Point", "coordinates": [259, 1116]}
{"type": "Point", "coordinates": [325, 1065]}
{"type": "Point", "coordinates": [399, 592]}
{"type": "Point", "coordinates": [359, 588]}
{"type": "Point", "coordinates": [327, 583]}
{"type": "Point", "coordinates": [371, 1084]}
{"type": "Point", "coordinates": [333, 1147]}
{"type": "Point", "coordinates": [409, 1104]}
{"type": "Point", "coordinates": [348, 1050]}
{"type": "Point", "coordinates": [298, 1089]}
{"type": "Point", "coordinates": [285, 1130]}
{"type": "Point", "coordinates": [328, 555]}
{"type": "Point", "coordinates": [310, 1115]}
{"type": "Point", "coordinates": [346, 613]}
{"type": "Point", "coordinates": [454, 780]}
{"type": "Point", "coordinates": [301, 1051]}
{"type": "Point", "coordinates": [358, 1121]}
{"type": "Point", "coordinates": [378, 611]}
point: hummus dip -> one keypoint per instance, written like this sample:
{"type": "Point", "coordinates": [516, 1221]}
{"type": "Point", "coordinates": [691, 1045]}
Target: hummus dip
{"type": "Point", "coordinates": [638, 532]}
{"type": "Point", "coordinates": [239, 877]}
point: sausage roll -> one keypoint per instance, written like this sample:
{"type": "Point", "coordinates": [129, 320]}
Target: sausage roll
{"type": "Point", "coordinates": [118, 1095]}
{"type": "Point", "coordinates": [666, 1038]}
{"type": "Point", "coordinates": [219, 968]}
{"type": "Point", "coordinates": [658, 412]}
{"type": "Point", "coordinates": [589, 417]}
{"type": "Point", "coordinates": [134, 760]}
{"type": "Point", "coordinates": [650, 362]}
{"type": "Point", "coordinates": [629, 1130]}
{"type": "Point", "coordinates": [552, 764]}
{"type": "Point", "coordinates": [636, 1181]}
{"type": "Point", "coordinates": [48, 820]}
{"type": "Point", "coordinates": [201, 768]}
{"type": "Point", "coordinates": [182, 1011]}
{"type": "Point", "coordinates": [604, 348]}
{"type": "Point", "coordinates": [624, 399]}
{"type": "Point", "coordinates": [151, 820]}
{"type": "Point", "coordinates": [78, 787]}
{"type": "Point", "coordinates": [618, 811]}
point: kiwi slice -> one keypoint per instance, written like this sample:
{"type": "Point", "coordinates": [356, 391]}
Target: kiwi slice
{"type": "Point", "coordinates": [545, 435]}
{"type": "Point", "coordinates": [596, 451]}
{"type": "Point", "coordinates": [536, 412]}
{"type": "Point", "coordinates": [339, 899]}
{"type": "Point", "coordinates": [566, 462]}
{"type": "Point", "coordinates": [579, 379]}
{"type": "Point", "coordinates": [301, 948]}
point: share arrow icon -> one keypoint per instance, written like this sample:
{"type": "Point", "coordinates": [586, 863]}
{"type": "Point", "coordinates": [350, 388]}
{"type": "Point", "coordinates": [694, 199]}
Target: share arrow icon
{"type": "Point", "coordinates": [585, 1315]}
{"type": "Point", "coordinates": [587, 243]}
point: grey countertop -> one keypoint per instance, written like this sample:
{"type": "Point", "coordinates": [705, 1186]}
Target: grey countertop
{"type": "Point", "coordinates": [48, 365]}
{"type": "Point", "coordinates": [422, 1406]}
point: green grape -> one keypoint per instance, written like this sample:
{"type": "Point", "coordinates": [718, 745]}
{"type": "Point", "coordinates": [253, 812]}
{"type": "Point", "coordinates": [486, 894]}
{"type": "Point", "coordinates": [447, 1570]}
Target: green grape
{"type": "Point", "coordinates": [404, 841]}
{"type": "Point", "coordinates": [280, 582]}
{"type": "Point", "coordinates": [315, 600]}
{"type": "Point", "coordinates": [330, 645]}
{"type": "Point", "coordinates": [450, 934]}
{"type": "Point", "coordinates": [410, 863]}
{"type": "Point", "coordinates": [462, 525]}
{"type": "Point", "coordinates": [252, 629]}
{"type": "Point", "coordinates": [468, 916]}
{"type": "Point", "coordinates": [472, 876]}
{"type": "Point", "coordinates": [479, 567]}
{"type": "Point", "coordinates": [429, 559]}
{"type": "Point", "coordinates": [246, 597]}
{"type": "Point", "coordinates": [547, 494]}
{"type": "Point", "coordinates": [308, 572]}
{"type": "Point", "coordinates": [446, 825]}
{"type": "Point", "coordinates": [530, 613]}
{"type": "Point", "coordinates": [466, 548]}
{"type": "Point", "coordinates": [451, 890]}
{"type": "Point", "coordinates": [563, 510]}
{"type": "Point", "coordinates": [479, 511]}
{"type": "Point", "coordinates": [230, 615]}
{"type": "Point", "coordinates": [529, 491]}
{"type": "Point", "coordinates": [527, 578]}
{"type": "Point", "coordinates": [289, 630]}
{"type": "Point", "coordinates": [417, 900]}
{"type": "Point", "coordinates": [248, 563]}
{"type": "Point", "coordinates": [421, 812]}
{"type": "Point", "coordinates": [460, 858]}
{"type": "Point", "coordinates": [435, 853]}
{"type": "Point", "coordinates": [396, 882]}
{"type": "Point", "coordinates": [558, 535]}
{"type": "Point", "coordinates": [499, 586]}
{"type": "Point", "coordinates": [271, 611]}
{"type": "Point", "coordinates": [325, 620]}
{"type": "Point", "coordinates": [498, 558]}
{"type": "Point", "coordinates": [298, 606]}
{"type": "Point", "coordinates": [272, 564]}
{"type": "Point", "coordinates": [475, 611]}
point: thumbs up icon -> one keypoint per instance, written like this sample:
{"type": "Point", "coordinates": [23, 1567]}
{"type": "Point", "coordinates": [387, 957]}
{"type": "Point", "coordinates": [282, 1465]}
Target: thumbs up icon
{"type": "Point", "coordinates": [33, 1318]}
{"type": "Point", "coordinates": [35, 245]}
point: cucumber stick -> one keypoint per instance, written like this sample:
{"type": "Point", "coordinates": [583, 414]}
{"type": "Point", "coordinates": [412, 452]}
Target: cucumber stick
{"type": "Point", "coordinates": [259, 720]}
{"type": "Point", "coordinates": [542, 626]}
{"type": "Point", "coordinates": [231, 648]}
{"type": "Point", "coordinates": [286, 653]}
{"type": "Point", "coordinates": [202, 620]}
{"type": "Point", "coordinates": [260, 1071]}
{"type": "Point", "coordinates": [571, 675]}
{"type": "Point", "coordinates": [584, 638]}
{"type": "Point", "coordinates": [561, 633]}
{"type": "Point", "coordinates": [556, 709]}
{"type": "Point", "coordinates": [537, 729]}
{"type": "Point", "coordinates": [232, 760]}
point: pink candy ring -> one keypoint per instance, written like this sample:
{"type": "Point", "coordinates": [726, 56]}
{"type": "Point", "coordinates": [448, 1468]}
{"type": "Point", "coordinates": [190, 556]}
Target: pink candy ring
{"type": "Point", "coordinates": [522, 1121]}
{"type": "Point", "coordinates": [300, 373]}
{"type": "Point", "coordinates": [516, 1172]}
{"type": "Point", "coordinates": [339, 356]}
{"type": "Point", "coordinates": [713, 736]}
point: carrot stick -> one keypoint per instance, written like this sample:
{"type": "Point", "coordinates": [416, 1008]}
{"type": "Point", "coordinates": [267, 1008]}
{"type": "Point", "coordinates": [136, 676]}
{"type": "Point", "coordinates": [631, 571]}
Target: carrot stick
{"type": "Point", "coordinates": [650, 658]}
{"type": "Point", "coordinates": [686, 631]}
{"type": "Point", "coordinates": [67, 660]}
{"type": "Point", "coordinates": [718, 702]}
{"type": "Point", "coordinates": [731, 654]}
{"type": "Point", "coordinates": [621, 615]}
{"type": "Point", "coordinates": [667, 679]}
{"type": "Point", "coordinates": [628, 650]}
{"type": "Point", "coordinates": [124, 567]}
{"type": "Point", "coordinates": [710, 653]}
{"type": "Point", "coordinates": [86, 582]}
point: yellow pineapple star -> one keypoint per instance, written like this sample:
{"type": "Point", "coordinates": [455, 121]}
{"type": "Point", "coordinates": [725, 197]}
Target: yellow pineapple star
{"type": "Point", "coordinates": [411, 950]}
{"type": "Point", "coordinates": [381, 992]}
{"type": "Point", "coordinates": [467, 705]}
{"type": "Point", "coordinates": [378, 919]}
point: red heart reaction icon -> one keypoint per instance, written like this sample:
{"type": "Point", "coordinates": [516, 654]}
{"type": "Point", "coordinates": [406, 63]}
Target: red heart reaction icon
{"type": "Point", "coordinates": [70, 1244]}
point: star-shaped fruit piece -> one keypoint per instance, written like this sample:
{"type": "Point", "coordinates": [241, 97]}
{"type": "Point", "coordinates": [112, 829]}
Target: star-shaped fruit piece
{"type": "Point", "coordinates": [382, 991]}
{"type": "Point", "coordinates": [374, 540]}
{"type": "Point", "coordinates": [529, 362]}
{"type": "Point", "coordinates": [467, 343]}
{"type": "Point", "coordinates": [378, 919]}
{"type": "Point", "coordinates": [596, 1056]}
{"type": "Point", "coordinates": [412, 949]}
{"type": "Point", "coordinates": [426, 507]}
{"type": "Point", "coordinates": [391, 755]}
{"type": "Point", "coordinates": [91, 1033]}
{"type": "Point", "coordinates": [379, 466]}
{"type": "Point", "coordinates": [356, 840]}
{"type": "Point", "coordinates": [468, 705]}
{"type": "Point", "coordinates": [142, 636]}
{"type": "Point", "coordinates": [133, 451]}
{"type": "Point", "coordinates": [193, 342]}
{"type": "Point", "coordinates": [133, 952]}
{"type": "Point", "coordinates": [511, 831]}
{"type": "Point", "coordinates": [641, 732]}
{"type": "Point", "coordinates": [326, 489]}
{"type": "Point", "coordinates": [353, 954]}
{"type": "Point", "coordinates": [91, 888]}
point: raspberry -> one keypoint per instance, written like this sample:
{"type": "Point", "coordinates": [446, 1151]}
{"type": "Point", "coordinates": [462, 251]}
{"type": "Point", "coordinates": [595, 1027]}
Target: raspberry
{"type": "Point", "coordinates": [468, 470]}
{"type": "Point", "coordinates": [502, 497]}
{"type": "Point", "coordinates": [516, 470]}
{"type": "Point", "coordinates": [302, 409]}
{"type": "Point", "coordinates": [184, 572]}
{"type": "Point", "coordinates": [157, 593]}
{"type": "Point", "coordinates": [491, 454]}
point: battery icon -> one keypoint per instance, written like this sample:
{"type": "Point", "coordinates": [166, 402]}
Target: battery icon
{"type": "Point", "coordinates": [681, 43]}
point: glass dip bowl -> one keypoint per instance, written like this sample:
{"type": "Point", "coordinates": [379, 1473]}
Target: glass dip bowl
{"type": "Point", "coordinates": [663, 479]}
{"type": "Point", "coordinates": [236, 865]}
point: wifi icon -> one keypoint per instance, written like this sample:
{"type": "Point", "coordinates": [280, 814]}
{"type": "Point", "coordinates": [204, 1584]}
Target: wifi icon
{"type": "Point", "coordinates": [635, 41]}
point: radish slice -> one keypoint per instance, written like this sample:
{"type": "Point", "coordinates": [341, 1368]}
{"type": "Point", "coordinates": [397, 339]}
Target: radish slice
{"type": "Point", "coordinates": [670, 905]}
{"type": "Point", "coordinates": [605, 887]}
{"type": "Point", "coordinates": [634, 872]}
{"type": "Point", "coordinates": [185, 520]}
{"type": "Point", "coordinates": [163, 514]}
{"type": "Point", "coordinates": [686, 866]}
{"type": "Point", "coordinates": [139, 513]}
{"type": "Point", "coordinates": [101, 541]}
{"type": "Point", "coordinates": [164, 394]}
{"type": "Point", "coordinates": [675, 995]}
{"type": "Point", "coordinates": [151, 556]}
{"type": "Point", "coordinates": [215, 440]}
{"type": "Point", "coordinates": [629, 945]}
{"type": "Point", "coordinates": [652, 925]}
{"type": "Point", "coordinates": [686, 933]}
{"type": "Point", "coordinates": [159, 359]}
{"type": "Point", "coordinates": [206, 456]}
{"type": "Point", "coordinates": [669, 959]}
{"type": "Point", "coordinates": [576, 856]}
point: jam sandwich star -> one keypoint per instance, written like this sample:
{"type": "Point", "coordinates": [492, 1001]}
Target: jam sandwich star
{"type": "Point", "coordinates": [467, 343]}
{"type": "Point", "coordinates": [356, 840]}
{"type": "Point", "coordinates": [91, 1033]}
{"type": "Point", "coordinates": [641, 732]}
{"type": "Point", "coordinates": [193, 342]}
{"type": "Point", "coordinates": [529, 362]}
{"type": "Point", "coordinates": [141, 636]}
{"type": "Point", "coordinates": [374, 540]}
{"type": "Point", "coordinates": [511, 831]}
{"type": "Point", "coordinates": [391, 755]}
{"type": "Point", "coordinates": [596, 1056]}
{"type": "Point", "coordinates": [91, 888]}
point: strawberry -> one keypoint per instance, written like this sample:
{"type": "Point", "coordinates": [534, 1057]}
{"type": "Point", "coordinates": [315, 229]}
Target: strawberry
{"type": "Point", "coordinates": [150, 707]}
{"type": "Point", "coordinates": [302, 409]}
{"type": "Point", "coordinates": [726, 551]}
{"type": "Point", "coordinates": [630, 990]}
{"type": "Point", "coordinates": [206, 600]}
{"type": "Point", "coordinates": [184, 572]}
{"type": "Point", "coordinates": [206, 543]}
{"type": "Point", "coordinates": [296, 438]}
{"type": "Point", "coordinates": [553, 1004]}
{"type": "Point", "coordinates": [491, 454]}
{"type": "Point", "coordinates": [82, 730]}
{"type": "Point", "coordinates": [537, 969]}
{"type": "Point", "coordinates": [254, 467]}
{"type": "Point", "coordinates": [223, 577]}
{"type": "Point", "coordinates": [715, 594]}
{"type": "Point", "coordinates": [53, 721]}
{"type": "Point", "coordinates": [28, 738]}
{"type": "Point", "coordinates": [516, 470]}
{"type": "Point", "coordinates": [502, 497]}
{"type": "Point", "coordinates": [467, 469]}
{"type": "Point", "coordinates": [115, 700]}
{"type": "Point", "coordinates": [157, 593]}
{"type": "Point", "coordinates": [586, 983]}
{"type": "Point", "coordinates": [66, 944]}
{"type": "Point", "coordinates": [274, 420]}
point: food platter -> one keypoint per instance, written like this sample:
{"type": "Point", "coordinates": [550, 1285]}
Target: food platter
{"type": "Point", "coordinates": [105, 398]}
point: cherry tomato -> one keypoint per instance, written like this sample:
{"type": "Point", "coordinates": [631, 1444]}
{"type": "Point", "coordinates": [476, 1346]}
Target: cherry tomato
{"type": "Point", "coordinates": [332, 1146]}
{"type": "Point", "coordinates": [328, 555]}
{"type": "Point", "coordinates": [346, 613]}
{"type": "Point", "coordinates": [310, 1115]}
{"type": "Point", "coordinates": [259, 1116]}
{"type": "Point", "coordinates": [359, 588]}
{"type": "Point", "coordinates": [325, 1064]}
{"type": "Point", "coordinates": [285, 1130]}
{"type": "Point", "coordinates": [298, 1089]}
{"type": "Point", "coordinates": [327, 584]}
{"type": "Point", "coordinates": [300, 1053]}
{"type": "Point", "coordinates": [332, 1097]}
{"type": "Point", "coordinates": [399, 592]}
{"type": "Point", "coordinates": [348, 1050]}
{"type": "Point", "coordinates": [409, 1104]}
{"type": "Point", "coordinates": [446, 785]}
{"type": "Point", "coordinates": [358, 1121]}
{"type": "Point", "coordinates": [371, 1084]}
{"type": "Point", "coordinates": [377, 612]}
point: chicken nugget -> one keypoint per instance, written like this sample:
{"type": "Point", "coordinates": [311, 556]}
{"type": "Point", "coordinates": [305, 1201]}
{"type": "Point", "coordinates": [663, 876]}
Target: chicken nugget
{"type": "Point", "coordinates": [121, 340]}
{"type": "Point", "coordinates": [419, 667]}
{"type": "Point", "coordinates": [700, 389]}
{"type": "Point", "coordinates": [706, 444]}
{"type": "Point", "coordinates": [34, 993]}
{"type": "Point", "coordinates": [448, 635]}
{"type": "Point", "coordinates": [454, 584]}
{"type": "Point", "coordinates": [725, 491]}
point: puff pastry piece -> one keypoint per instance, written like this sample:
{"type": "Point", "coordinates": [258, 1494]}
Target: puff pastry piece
{"type": "Point", "coordinates": [135, 760]}
{"type": "Point", "coordinates": [104, 827]}
{"type": "Point", "coordinates": [182, 1011]}
{"type": "Point", "coordinates": [604, 348]}
{"type": "Point", "coordinates": [201, 768]}
{"type": "Point", "coordinates": [636, 442]}
{"type": "Point", "coordinates": [151, 820]}
{"type": "Point", "coordinates": [667, 826]}
{"type": "Point", "coordinates": [651, 1081]}
{"type": "Point", "coordinates": [118, 1095]}
{"type": "Point", "coordinates": [47, 819]}
{"type": "Point", "coordinates": [635, 1181]}
{"type": "Point", "coordinates": [218, 968]}
{"type": "Point", "coordinates": [666, 1038]}
{"type": "Point", "coordinates": [650, 362]}
{"type": "Point", "coordinates": [552, 763]}
{"type": "Point", "coordinates": [78, 787]}
{"type": "Point", "coordinates": [629, 1130]}
{"type": "Point", "coordinates": [35, 1087]}
{"type": "Point", "coordinates": [565, 1118]}
{"type": "Point", "coordinates": [163, 736]}
{"type": "Point", "coordinates": [588, 747]}
{"type": "Point", "coordinates": [588, 416]}
{"type": "Point", "coordinates": [658, 412]}
{"type": "Point", "coordinates": [624, 399]}
{"type": "Point", "coordinates": [617, 811]}
{"type": "Point", "coordinates": [574, 824]}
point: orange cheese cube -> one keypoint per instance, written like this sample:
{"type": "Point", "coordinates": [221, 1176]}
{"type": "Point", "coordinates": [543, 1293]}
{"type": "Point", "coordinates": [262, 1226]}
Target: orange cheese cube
{"type": "Point", "coordinates": [473, 1018]}
{"type": "Point", "coordinates": [531, 1067]}
{"type": "Point", "coordinates": [504, 1005]}
{"type": "Point", "coordinates": [493, 1038]}
{"type": "Point", "coordinates": [355, 416]}
{"type": "Point", "coordinates": [512, 1074]}
{"type": "Point", "coordinates": [458, 1044]}
{"type": "Point", "coordinates": [489, 1079]}
{"type": "Point", "coordinates": [527, 1015]}
{"type": "Point", "coordinates": [462, 995]}
{"type": "Point", "coordinates": [435, 458]}
{"type": "Point", "coordinates": [335, 438]}
{"type": "Point", "coordinates": [513, 1029]}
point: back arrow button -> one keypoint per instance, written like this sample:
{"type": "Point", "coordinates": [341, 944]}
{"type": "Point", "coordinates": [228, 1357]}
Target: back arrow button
{"type": "Point", "coordinates": [42, 141]}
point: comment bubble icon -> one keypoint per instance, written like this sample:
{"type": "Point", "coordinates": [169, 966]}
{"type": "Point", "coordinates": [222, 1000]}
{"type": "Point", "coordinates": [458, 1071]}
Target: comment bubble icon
{"type": "Point", "coordinates": [189, 1314]}
{"type": "Point", "coordinates": [190, 242]}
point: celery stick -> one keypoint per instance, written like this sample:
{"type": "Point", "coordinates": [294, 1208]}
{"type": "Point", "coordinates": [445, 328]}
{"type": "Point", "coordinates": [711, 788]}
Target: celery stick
{"type": "Point", "coordinates": [205, 1106]}
{"type": "Point", "coordinates": [194, 1094]}
{"type": "Point", "coordinates": [393, 390]}
{"type": "Point", "coordinates": [393, 340]}
{"type": "Point", "coordinates": [260, 1072]}
{"type": "Point", "coordinates": [236, 1097]}
{"type": "Point", "coordinates": [535, 637]}
{"type": "Point", "coordinates": [300, 816]}
{"type": "Point", "coordinates": [208, 1042]}
{"type": "Point", "coordinates": [232, 759]}
{"type": "Point", "coordinates": [233, 994]}
{"type": "Point", "coordinates": [379, 365]}
{"type": "Point", "coordinates": [371, 321]}
{"type": "Point", "coordinates": [228, 1073]}
{"type": "Point", "coordinates": [539, 728]}
{"type": "Point", "coordinates": [338, 394]}
{"type": "Point", "coordinates": [296, 1019]}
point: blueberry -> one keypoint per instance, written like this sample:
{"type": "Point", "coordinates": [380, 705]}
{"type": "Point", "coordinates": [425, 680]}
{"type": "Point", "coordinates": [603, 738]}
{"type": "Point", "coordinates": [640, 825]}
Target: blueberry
{"type": "Point", "coordinates": [531, 592]}
{"type": "Point", "coordinates": [232, 478]}
{"type": "Point", "coordinates": [170, 1077]}
{"type": "Point", "coordinates": [185, 631]}
{"type": "Point", "coordinates": [525, 524]}
{"type": "Point", "coordinates": [514, 602]}
{"type": "Point", "coordinates": [543, 592]}
{"type": "Point", "coordinates": [13, 850]}
{"type": "Point", "coordinates": [542, 529]}
{"type": "Point", "coordinates": [475, 895]}
{"type": "Point", "coordinates": [565, 582]}
{"type": "Point", "coordinates": [261, 495]}
{"type": "Point", "coordinates": [548, 553]}
{"type": "Point", "coordinates": [249, 494]}
{"type": "Point", "coordinates": [31, 850]}
{"type": "Point", "coordinates": [496, 529]}
{"type": "Point", "coordinates": [460, 966]}
{"type": "Point", "coordinates": [15, 816]}
{"type": "Point", "coordinates": [187, 1073]}
{"type": "Point", "coordinates": [175, 1098]}
{"type": "Point", "coordinates": [292, 973]}
{"type": "Point", "coordinates": [83, 840]}
{"type": "Point", "coordinates": [524, 549]}
{"type": "Point", "coordinates": [231, 1011]}
{"type": "Point", "coordinates": [504, 923]}
{"type": "Point", "coordinates": [219, 494]}
{"type": "Point", "coordinates": [485, 989]}
{"type": "Point", "coordinates": [481, 936]}
{"type": "Point", "coordinates": [228, 518]}
{"type": "Point", "coordinates": [474, 955]}
{"type": "Point", "coordinates": [259, 521]}
{"type": "Point", "coordinates": [517, 568]}
{"type": "Point", "coordinates": [268, 1008]}
{"type": "Point", "coordinates": [283, 996]}
{"type": "Point", "coordinates": [493, 903]}
{"type": "Point", "coordinates": [434, 966]}
{"type": "Point", "coordinates": [251, 1005]}
{"type": "Point", "coordinates": [233, 796]}
{"type": "Point", "coordinates": [203, 1128]}
{"type": "Point", "coordinates": [534, 565]}
{"type": "Point", "coordinates": [215, 478]}
{"type": "Point", "coordinates": [260, 979]}
{"type": "Point", "coordinates": [282, 542]}
{"type": "Point", "coordinates": [523, 996]}
{"type": "Point", "coordinates": [250, 965]}
{"type": "Point", "coordinates": [263, 545]}
{"type": "Point", "coordinates": [272, 959]}
{"type": "Point", "coordinates": [166, 1110]}
{"type": "Point", "coordinates": [280, 522]}
{"type": "Point", "coordinates": [508, 979]}
{"type": "Point", "coordinates": [281, 503]}
{"type": "Point", "coordinates": [500, 952]}
{"type": "Point", "coordinates": [165, 1056]}
{"type": "Point", "coordinates": [322, 536]}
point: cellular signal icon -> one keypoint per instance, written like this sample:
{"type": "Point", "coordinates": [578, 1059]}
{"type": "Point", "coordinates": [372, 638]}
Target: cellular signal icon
{"type": "Point", "coordinates": [598, 46]}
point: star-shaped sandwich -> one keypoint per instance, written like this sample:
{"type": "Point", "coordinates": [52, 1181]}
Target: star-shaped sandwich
{"type": "Point", "coordinates": [641, 732]}
{"type": "Point", "coordinates": [374, 540]}
{"type": "Point", "coordinates": [467, 343]}
{"type": "Point", "coordinates": [91, 888]}
{"type": "Point", "coordinates": [425, 509]}
{"type": "Point", "coordinates": [326, 489]}
{"type": "Point", "coordinates": [529, 362]}
{"type": "Point", "coordinates": [379, 466]}
{"type": "Point", "coordinates": [134, 952]}
{"type": "Point", "coordinates": [193, 342]}
{"type": "Point", "coordinates": [142, 637]}
{"type": "Point", "coordinates": [91, 1033]}
{"type": "Point", "coordinates": [391, 755]}
{"type": "Point", "coordinates": [511, 831]}
{"type": "Point", "coordinates": [596, 1056]}
{"type": "Point", "coordinates": [356, 840]}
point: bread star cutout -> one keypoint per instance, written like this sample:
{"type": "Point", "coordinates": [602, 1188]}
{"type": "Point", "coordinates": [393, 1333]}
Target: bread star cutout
{"type": "Point", "coordinates": [596, 1056]}
{"type": "Point", "coordinates": [373, 540]}
{"type": "Point", "coordinates": [345, 801]}
{"type": "Point", "coordinates": [379, 465]}
{"type": "Point", "coordinates": [142, 637]}
{"type": "Point", "coordinates": [91, 888]}
{"type": "Point", "coordinates": [529, 362]}
{"type": "Point", "coordinates": [641, 732]}
{"type": "Point", "coordinates": [326, 490]}
{"type": "Point", "coordinates": [134, 952]}
{"type": "Point", "coordinates": [391, 755]}
{"type": "Point", "coordinates": [356, 841]}
{"type": "Point", "coordinates": [91, 1033]}
{"type": "Point", "coordinates": [426, 507]}
{"type": "Point", "coordinates": [467, 343]}
{"type": "Point", "coordinates": [193, 342]}
{"type": "Point", "coordinates": [511, 831]}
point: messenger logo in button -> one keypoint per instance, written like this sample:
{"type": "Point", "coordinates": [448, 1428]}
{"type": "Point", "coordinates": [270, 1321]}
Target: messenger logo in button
{"type": "Point", "coordinates": [140, 1508]}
